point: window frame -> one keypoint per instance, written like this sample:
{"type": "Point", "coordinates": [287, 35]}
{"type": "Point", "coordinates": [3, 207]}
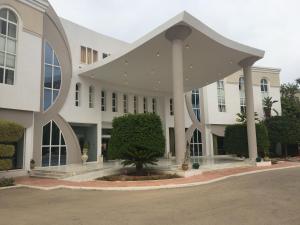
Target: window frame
{"type": "Point", "coordinates": [242, 94]}
{"type": "Point", "coordinates": [171, 104]}
{"type": "Point", "coordinates": [196, 103]}
{"type": "Point", "coordinates": [145, 105]}
{"type": "Point", "coordinates": [221, 96]}
{"type": "Point", "coordinates": [77, 94]}
{"type": "Point", "coordinates": [103, 101]}
{"type": "Point", "coordinates": [154, 105]}
{"type": "Point", "coordinates": [91, 97]}
{"type": "Point", "coordinates": [114, 101]}
{"type": "Point", "coordinates": [125, 103]}
{"type": "Point", "coordinates": [135, 104]}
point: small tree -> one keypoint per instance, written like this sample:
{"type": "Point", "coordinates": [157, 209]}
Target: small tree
{"type": "Point", "coordinates": [289, 102]}
{"type": "Point", "coordinates": [268, 103]}
{"type": "Point", "coordinates": [242, 117]}
{"type": "Point", "coordinates": [137, 140]}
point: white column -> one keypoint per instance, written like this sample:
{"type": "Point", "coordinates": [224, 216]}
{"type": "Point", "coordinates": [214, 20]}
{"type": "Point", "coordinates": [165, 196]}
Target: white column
{"type": "Point", "coordinates": [177, 35]}
{"type": "Point", "coordinates": [251, 130]}
{"type": "Point", "coordinates": [178, 101]}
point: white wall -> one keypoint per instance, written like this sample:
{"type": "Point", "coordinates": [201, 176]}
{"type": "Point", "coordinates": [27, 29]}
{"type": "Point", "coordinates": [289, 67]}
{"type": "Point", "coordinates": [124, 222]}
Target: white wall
{"type": "Point", "coordinates": [25, 93]}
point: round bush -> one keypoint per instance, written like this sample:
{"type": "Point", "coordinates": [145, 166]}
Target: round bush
{"type": "Point", "coordinates": [7, 151]}
{"type": "Point", "coordinates": [10, 132]}
{"type": "Point", "coordinates": [5, 164]}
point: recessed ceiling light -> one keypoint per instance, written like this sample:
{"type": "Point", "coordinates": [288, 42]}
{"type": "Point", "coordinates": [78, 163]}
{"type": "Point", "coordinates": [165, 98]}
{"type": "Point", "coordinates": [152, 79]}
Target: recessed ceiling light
{"type": "Point", "coordinates": [187, 46]}
{"type": "Point", "coordinates": [230, 62]}
{"type": "Point", "coordinates": [126, 62]}
{"type": "Point", "coordinates": [157, 54]}
{"type": "Point", "coordinates": [191, 66]}
{"type": "Point", "coordinates": [187, 79]}
{"type": "Point", "coordinates": [159, 82]}
{"type": "Point", "coordinates": [125, 74]}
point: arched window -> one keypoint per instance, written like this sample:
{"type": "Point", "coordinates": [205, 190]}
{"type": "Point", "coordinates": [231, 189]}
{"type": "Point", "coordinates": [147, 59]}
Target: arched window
{"type": "Point", "coordinates": [8, 45]}
{"type": "Point", "coordinates": [196, 144]}
{"type": "Point", "coordinates": [54, 149]}
{"type": "Point", "coordinates": [264, 87]}
{"type": "Point", "coordinates": [196, 103]}
{"type": "Point", "coordinates": [91, 96]}
{"type": "Point", "coordinates": [242, 94]}
{"type": "Point", "coordinates": [77, 94]}
{"type": "Point", "coordinates": [52, 76]}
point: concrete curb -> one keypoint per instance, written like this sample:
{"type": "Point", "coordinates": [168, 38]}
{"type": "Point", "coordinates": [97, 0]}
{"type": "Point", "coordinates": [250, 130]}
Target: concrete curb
{"type": "Point", "coordinates": [146, 188]}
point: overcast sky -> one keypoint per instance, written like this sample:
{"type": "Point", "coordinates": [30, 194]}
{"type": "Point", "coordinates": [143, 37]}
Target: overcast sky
{"type": "Point", "coordinates": [271, 25]}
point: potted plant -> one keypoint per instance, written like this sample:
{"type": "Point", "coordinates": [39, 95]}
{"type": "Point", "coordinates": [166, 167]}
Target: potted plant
{"type": "Point", "coordinates": [85, 151]}
{"type": "Point", "coordinates": [32, 164]}
{"type": "Point", "coordinates": [196, 166]}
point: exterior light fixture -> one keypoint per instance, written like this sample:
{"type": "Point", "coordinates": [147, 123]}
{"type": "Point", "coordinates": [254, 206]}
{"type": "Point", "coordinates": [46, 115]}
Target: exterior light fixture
{"type": "Point", "coordinates": [157, 54]}
{"type": "Point", "coordinates": [187, 46]}
{"type": "Point", "coordinates": [191, 66]}
{"type": "Point", "coordinates": [126, 62]}
{"type": "Point", "coordinates": [125, 74]}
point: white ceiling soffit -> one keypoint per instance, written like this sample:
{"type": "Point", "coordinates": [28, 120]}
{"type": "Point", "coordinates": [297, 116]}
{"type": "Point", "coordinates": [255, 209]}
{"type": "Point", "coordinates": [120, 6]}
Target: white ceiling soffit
{"type": "Point", "coordinates": [147, 63]}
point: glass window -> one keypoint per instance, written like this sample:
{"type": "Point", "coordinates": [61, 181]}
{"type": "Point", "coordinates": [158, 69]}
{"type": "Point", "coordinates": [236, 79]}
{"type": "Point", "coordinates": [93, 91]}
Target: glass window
{"type": "Point", "coordinates": [52, 76]}
{"type": "Point", "coordinates": [125, 103]}
{"type": "Point", "coordinates": [171, 107]}
{"type": "Point", "coordinates": [196, 144]}
{"type": "Point", "coordinates": [154, 105]}
{"type": "Point", "coordinates": [135, 104]}
{"type": "Point", "coordinates": [114, 102]}
{"type": "Point", "coordinates": [8, 42]}
{"type": "Point", "coordinates": [95, 56]}
{"type": "Point", "coordinates": [196, 103]}
{"type": "Point", "coordinates": [89, 56]}
{"type": "Point", "coordinates": [145, 105]}
{"type": "Point", "coordinates": [264, 86]}
{"type": "Point", "coordinates": [77, 94]}
{"type": "Point", "coordinates": [54, 149]}
{"type": "Point", "coordinates": [221, 96]}
{"type": "Point", "coordinates": [103, 101]}
{"type": "Point", "coordinates": [242, 94]}
{"type": "Point", "coordinates": [91, 96]}
{"type": "Point", "coordinates": [83, 55]}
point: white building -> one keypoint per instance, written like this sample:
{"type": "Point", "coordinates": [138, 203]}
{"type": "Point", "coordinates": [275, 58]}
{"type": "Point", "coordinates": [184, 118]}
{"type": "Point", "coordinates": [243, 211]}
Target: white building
{"type": "Point", "coordinates": [65, 84]}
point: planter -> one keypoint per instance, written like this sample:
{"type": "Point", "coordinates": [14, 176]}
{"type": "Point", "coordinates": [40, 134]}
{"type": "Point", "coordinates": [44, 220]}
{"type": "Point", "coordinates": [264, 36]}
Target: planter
{"type": "Point", "coordinates": [32, 164]}
{"type": "Point", "coordinates": [84, 156]}
{"type": "Point", "coordinates": [263, 163]}
{"type": "Point", "coordinates": [185, 166]}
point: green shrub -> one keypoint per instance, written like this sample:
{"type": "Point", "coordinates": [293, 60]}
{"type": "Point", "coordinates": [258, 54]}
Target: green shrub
{"type": "Point", "coordinates": [10, 132]}
{"type": "Point", "coordinates": [7, 151]}
{"type": "Point", "coordinates": [137, 139]}
{"type": "Point", "coordinates": [6, 182]}
{"type": "Point", "coordinates": [5, 164]}
{"type": "Point", "coordinates": [196, 166]}
{"type": "Point", "coordinates": [236, 141]}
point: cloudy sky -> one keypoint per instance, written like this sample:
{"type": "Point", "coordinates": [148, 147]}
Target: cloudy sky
{"type": "Point", "coordinates": [271, 25]}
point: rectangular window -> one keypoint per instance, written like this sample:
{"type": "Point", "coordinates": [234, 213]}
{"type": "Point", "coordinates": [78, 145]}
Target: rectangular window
{"type": "Point", "coordinates": [83, 55]}
{"type": "Point", "coordinates": [125, 103]}
{"type": "Point", "coordinates": [89, 56]}
{"type": "Point", "coordinates": [91, 96]}
{"type": "Point", "coordinates": [171, 107]}
{"type": "Point", "coordinates": [95, 56]}
{"type": "Point", "coordinates": [135, 105]}
{"type": "Point", "coordinates": [103, 101]}
{"type": "Point", "coordinates": [154, 105]}
{"type": "Point", "coordinates": [221, 96]}
{"type": "Point", "coordinates": [114, 102]}
{"type": "Point", "coordinates": [145, 105]}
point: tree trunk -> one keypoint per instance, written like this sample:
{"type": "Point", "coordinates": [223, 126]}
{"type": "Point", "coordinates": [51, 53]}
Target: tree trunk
{"type": "Point", "coordinates": [139, 169]}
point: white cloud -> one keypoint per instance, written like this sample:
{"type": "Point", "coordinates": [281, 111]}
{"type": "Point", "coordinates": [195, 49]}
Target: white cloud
{"type": "Point", "coordinates": [272, 25]}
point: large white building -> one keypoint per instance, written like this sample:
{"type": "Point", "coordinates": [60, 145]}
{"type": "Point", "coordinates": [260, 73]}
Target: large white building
{"type": "Point", "coordinates": [65, 83]}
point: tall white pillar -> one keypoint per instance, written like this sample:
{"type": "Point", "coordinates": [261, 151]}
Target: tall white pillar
{"type": "Point", "coordinates": [251, 130]}
{"type": "Point", "coordinates": [177, 35]}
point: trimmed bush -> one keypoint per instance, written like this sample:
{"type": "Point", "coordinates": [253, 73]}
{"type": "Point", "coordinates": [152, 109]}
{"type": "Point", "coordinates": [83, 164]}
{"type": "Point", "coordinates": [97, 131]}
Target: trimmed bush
{"type": "Point", "coordinates": [137, 139]}
{"type": "Point", "coordinates": [7, 151]}
{"type": "Point", "coordinates": [10, 132]}
{"type": "Point", "coordinates": [5, 164]}
{"type": "Point", "coordinates": [6, 182]}
{"type": "Point", "coordinates": [236, 141]}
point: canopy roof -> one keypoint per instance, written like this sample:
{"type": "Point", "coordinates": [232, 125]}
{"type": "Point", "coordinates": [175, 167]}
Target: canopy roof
{"type": "Point", "coordinates": [147, 63]}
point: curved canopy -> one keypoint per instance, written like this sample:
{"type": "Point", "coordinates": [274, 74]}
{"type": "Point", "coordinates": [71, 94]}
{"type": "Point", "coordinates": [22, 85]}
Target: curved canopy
{"type": "Point", "coordinates": [147, 63]}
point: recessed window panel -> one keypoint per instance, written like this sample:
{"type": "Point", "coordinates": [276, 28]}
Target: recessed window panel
{"type": "Point", "coordinates": [11, 46]}
{"type": "Point", "coordinates": [12, 30]}
{"type": "Point", "coordinates": [56, 63]}
{"type": "Point", "coordinates": [47, 98]}
{"type": "Point", "coordinates": [9, 77]}
{"type": "Point", "coordinates": [63, 156]}
{"type": "Point", "coordinates": [45, 156]}
{"type": "Point", "coordinates": [2, 43]}
{"type": "Point", "coordinates": [48, 76]}
{"type": "Point", "coordinates": [3, 27]}
{"type": "Point", "coordinates": [54, 156]}
{"type": "Point", "coordinates": [46, 134]}
{"type": "Point", "coordinates": [1, 75]}
{"type": "Point", "coordinates": [62, 140]}
{"type": "Point", "coordinates": [2, 57]}
{"type": "Point", "coordinates": [55, 134]}
{"type": "Point", "coordinates": [55, 94]}
{"type": "Point", "coordinates": [56, 78]}
{"type": "Point", "coordinates": [48, 54]}
{"type": "Point", "coordinates": [12, 17]}
{"type": "Point", "coordinates": [10, 61]}
{"type": "Point", "coordinates": [3, 13]}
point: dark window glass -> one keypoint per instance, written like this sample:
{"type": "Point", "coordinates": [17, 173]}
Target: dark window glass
{"type": "Point", "coordinates": [9, 77]}
{"type": "Point", "coordinates": [46, 134]}
{"type": "Point", "coordinates": [55, 94]}
{"type": "Point", "coordinates": [63, 156]}
{"type": "Point", "coordinates": [55, 134]}
{"type": "Point", "coordinates": [62, 140]}
{"type": "Point", "coordinates": [12, 17]}
{"type": "Point", "coordinates": [12, 30]}
{"type": "Point", "coordinates": [45, 156]}
{"type": "Point", "coordinates": [56, 78]}
{"type": "Point", "coordinates": [3, 13]}
{"type": "Point", "coordinates": [1, 75]}
{"type": "Point", "coordinates": [48, 54]}
{"type": "Point", "coordinates": [48, 76]}
{"type": "Point", "coordinates": [56, 63]}
{"type": "Point", "coordinates": [54, 156]}
{"type": "Point", "coordinates": [47, 98]}
{"type": "Point", "coordinates": [3, 26]}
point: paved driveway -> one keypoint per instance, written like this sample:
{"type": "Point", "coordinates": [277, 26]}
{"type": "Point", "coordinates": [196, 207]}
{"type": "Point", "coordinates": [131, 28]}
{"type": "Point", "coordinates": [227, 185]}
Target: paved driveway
{"type": "Point", "coordinates": [260, 199]}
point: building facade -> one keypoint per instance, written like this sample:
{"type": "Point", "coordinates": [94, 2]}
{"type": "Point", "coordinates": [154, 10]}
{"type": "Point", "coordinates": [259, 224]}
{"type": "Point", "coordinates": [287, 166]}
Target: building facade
{"type": "Point", "coordinates": [43, 87]}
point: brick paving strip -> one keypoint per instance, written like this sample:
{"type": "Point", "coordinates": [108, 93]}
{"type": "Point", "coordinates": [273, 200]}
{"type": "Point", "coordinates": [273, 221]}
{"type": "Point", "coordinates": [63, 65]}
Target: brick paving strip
{"type": "Point", "coordinates": [206, 177]}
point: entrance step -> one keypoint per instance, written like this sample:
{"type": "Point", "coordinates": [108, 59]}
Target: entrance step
{"type": "Point", "coordinates": [40, 173]}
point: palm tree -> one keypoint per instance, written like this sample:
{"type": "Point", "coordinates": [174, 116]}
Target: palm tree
{"type": "Point", "coordinates": [242, 117]}
{"type": "Point", "coordinates": [268, 105]}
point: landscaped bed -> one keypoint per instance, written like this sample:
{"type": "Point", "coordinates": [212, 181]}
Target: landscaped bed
{"type": "Point", "coordinates": [135, 177]}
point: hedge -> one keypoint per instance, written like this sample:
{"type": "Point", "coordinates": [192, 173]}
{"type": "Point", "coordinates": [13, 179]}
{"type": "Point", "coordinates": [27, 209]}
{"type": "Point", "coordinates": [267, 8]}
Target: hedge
{"type": "Point", "coordinates": [10, 132]}
{"type": "Point", "coordinates": [7, 151]}
{"type": "Point", "coordinates": [136, 131]}
{"type": "Point", "coordinates": [5, 164]}
{"type": "Point", "coordinates": [236, 141]}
